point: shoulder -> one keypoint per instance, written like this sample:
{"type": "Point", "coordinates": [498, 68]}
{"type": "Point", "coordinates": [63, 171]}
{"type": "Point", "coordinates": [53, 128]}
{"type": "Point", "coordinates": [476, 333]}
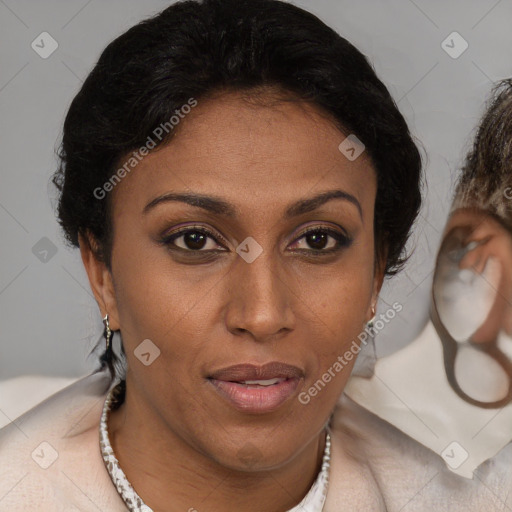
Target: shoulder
{"type": "Point", "coordinates": [398, 472]}
{"type": "Point", "coordinates": [49, 456]}
{"type": "Point", "coordinates": [19, 394]}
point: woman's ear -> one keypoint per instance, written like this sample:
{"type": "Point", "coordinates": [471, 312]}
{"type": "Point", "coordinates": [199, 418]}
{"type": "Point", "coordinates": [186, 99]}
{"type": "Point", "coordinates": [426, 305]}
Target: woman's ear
{"type": "Point", "coordinates": [378, 279]}
{"type": "Point", "coordinates": [100, 280]}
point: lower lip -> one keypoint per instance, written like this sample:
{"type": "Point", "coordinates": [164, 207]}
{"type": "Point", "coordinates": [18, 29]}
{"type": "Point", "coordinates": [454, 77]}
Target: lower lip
{"type": "Point", "coordinates": [256, 399]}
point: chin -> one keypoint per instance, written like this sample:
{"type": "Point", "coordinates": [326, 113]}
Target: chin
{"type": "Point", "coordinates": [249, 453]}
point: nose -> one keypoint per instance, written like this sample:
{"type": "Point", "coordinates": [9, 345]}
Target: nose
{"type": "Point", "coordinates": [260, 298]}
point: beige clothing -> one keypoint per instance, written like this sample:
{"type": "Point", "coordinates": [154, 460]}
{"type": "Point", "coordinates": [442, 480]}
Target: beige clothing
{"type": "Point", "coordinates": [387, 470]}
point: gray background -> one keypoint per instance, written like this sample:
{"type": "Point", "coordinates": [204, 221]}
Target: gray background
{"type": "Point", "coordinates": [49, 320]}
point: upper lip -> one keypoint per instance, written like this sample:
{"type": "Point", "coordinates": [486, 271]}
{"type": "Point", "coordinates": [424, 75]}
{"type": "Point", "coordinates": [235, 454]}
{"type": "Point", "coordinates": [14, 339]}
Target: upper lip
{"type": "Point", "coordinates": [247, 371]}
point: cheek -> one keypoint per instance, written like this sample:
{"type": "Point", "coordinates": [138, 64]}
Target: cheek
{"type": "Point", "coordinates": [343, 293]}
{"type": "Point", "coordinates": [334, 326]}
{"type": "Point", "coordinates": [164, 302]}
{"type": "Point", "coordinates": [147, 304]}
{"type": "Point", "coordinates": [344, 318]}
{"type": "Point", "coordinates": [345, 305]}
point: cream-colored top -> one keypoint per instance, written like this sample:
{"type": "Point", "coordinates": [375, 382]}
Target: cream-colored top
{"type": "Point", "coordinates": [50, 461]}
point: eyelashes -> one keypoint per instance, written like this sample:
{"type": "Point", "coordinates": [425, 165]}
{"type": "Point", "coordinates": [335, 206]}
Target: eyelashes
{"type": "Point", "coordinates": [341, 240]}
{"type": "Point", "coordinates": [195, 230]}
{"type": "Point", "coordinates": [196, 238]}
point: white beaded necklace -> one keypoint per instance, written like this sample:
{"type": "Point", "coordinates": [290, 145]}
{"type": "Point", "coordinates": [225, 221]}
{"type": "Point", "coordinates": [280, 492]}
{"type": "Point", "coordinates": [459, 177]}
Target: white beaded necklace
{"type": "Point", "coordinates": [312, 502]}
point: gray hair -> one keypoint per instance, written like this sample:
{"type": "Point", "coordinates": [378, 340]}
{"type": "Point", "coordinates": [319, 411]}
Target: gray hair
{"type": "Point", "coordinates": [485, 181]}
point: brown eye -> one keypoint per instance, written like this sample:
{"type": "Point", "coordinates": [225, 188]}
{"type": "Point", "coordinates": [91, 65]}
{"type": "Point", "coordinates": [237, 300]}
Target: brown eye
{"type": "Point", "coordinates": [318, 240]}
{"type": "Point", "coordinates": [192, 239]}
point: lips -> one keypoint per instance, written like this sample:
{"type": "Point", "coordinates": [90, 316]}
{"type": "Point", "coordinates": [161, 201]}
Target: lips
{"type": "Point", "coordinates": [256, 389]}
{"type": "Point", "coordinates": [243, 372]}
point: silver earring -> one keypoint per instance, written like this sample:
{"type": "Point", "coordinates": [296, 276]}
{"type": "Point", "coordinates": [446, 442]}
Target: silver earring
{"type": "Point", "coordinates": [370, 323]}
{"type": "Point", "coordinates": [107, 333]}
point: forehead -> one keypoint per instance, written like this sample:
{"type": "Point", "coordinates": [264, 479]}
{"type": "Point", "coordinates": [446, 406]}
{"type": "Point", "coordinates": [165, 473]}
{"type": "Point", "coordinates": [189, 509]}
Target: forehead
{"type": "Point", "coordinates": [251, 153]}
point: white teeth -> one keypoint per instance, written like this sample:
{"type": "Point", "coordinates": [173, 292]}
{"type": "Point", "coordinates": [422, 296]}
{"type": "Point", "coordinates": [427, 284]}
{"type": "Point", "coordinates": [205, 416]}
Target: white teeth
{"type": "Point", "coordinates": [267, 382]}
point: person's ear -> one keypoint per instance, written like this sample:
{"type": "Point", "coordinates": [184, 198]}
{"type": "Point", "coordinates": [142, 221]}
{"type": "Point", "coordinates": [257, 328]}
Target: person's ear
{"type": "Point", "coordinates": [100, 280]}
{"type": "Point", "coordinates": [378, 280]}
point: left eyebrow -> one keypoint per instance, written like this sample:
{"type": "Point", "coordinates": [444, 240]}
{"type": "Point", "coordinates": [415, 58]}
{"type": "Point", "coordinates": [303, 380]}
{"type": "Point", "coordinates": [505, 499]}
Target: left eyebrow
{"type": "Point", "coordinates": [219, 206]}
{"type": "Point", "coordinates": [308, 205]}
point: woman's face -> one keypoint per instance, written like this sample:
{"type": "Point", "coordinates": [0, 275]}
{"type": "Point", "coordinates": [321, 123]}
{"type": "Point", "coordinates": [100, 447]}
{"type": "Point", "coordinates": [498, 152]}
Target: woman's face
{"type": "Point", "coordinates": [254, 289]}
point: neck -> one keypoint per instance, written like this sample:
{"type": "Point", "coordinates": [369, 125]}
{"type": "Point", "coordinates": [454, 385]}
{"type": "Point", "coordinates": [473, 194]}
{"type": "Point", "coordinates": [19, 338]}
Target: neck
{"type": "Point", "coordinates": [165, 469]}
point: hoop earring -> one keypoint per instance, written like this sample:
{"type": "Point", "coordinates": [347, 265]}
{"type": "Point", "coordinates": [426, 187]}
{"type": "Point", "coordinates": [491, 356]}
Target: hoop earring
{"type": "Point", "coordinates": [107, 333]}
{"type": "Point", "coordinates": [370, 323]}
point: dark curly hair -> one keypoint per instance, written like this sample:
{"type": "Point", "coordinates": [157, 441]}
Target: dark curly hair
{"type": "Point", "coordinates": [196, 48]}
